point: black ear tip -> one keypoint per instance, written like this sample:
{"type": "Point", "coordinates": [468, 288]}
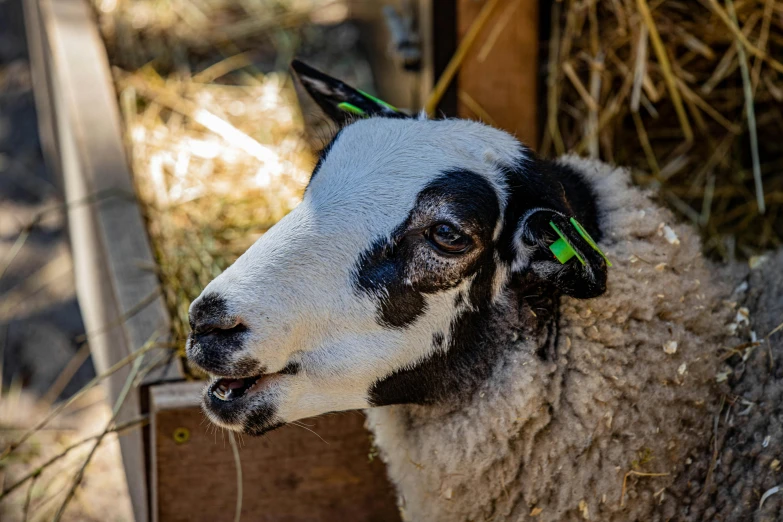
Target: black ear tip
{"type": "Point", "coordinates": [302, 69]}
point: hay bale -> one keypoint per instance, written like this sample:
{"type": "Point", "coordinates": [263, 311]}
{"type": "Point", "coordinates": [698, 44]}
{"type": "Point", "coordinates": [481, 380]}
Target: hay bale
{"type": "Point", "coordinates": [659, 86]}
{"type": "Point", "coordinates": [214, 132]}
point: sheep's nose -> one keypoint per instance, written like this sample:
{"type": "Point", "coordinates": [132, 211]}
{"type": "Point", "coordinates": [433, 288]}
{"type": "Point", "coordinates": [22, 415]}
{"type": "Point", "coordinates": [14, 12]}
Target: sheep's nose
{"type": "Point", "coordinates": [209, 315]}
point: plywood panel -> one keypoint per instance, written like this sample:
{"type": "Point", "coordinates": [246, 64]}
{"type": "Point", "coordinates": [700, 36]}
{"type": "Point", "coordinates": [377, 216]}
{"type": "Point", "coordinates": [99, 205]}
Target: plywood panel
{"type": "Point", "coordinates": [289, 475]}
{"type": "Point", "coordinates": [502, 79]}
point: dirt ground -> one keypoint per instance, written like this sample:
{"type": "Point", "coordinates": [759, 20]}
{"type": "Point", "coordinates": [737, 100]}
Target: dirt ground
{"type": "Point", "coordinates": [40, 322]}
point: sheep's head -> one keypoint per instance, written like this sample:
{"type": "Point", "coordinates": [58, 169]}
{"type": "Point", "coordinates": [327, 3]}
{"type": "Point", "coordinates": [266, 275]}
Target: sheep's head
{"type": "Point", "coordinates": [373, 290]}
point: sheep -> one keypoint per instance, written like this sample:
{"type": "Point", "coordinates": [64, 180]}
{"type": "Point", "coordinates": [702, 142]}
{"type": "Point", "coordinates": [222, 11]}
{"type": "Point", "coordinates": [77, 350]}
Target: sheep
{"type": "Point", "coordinates": [416, 280]}
{"type": "Point", "coordinates": [741, 477]}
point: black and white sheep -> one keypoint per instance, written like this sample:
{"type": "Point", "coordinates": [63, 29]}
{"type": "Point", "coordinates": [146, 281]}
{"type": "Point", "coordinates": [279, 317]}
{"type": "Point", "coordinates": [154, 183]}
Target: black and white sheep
{"type": "Point", "coordinates": [415, 279]}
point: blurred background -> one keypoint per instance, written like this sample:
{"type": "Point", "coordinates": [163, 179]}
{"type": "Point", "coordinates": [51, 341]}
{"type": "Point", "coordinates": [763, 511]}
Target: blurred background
{"type": "Point", "coordinates": [145, 144]}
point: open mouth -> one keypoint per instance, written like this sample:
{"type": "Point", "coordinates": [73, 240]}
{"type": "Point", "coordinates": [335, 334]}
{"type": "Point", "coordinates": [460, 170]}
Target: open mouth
{"type": "Point", "coordinates": [227, 389]}
{"type": "Point", "coordinates": [232, 389]}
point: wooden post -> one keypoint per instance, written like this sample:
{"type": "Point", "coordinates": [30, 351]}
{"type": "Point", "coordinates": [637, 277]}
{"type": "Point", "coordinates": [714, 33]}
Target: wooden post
{"type": "Point", "coordinates": [118, 294]}
{"type": "Point", "coordinates": [499, 77]}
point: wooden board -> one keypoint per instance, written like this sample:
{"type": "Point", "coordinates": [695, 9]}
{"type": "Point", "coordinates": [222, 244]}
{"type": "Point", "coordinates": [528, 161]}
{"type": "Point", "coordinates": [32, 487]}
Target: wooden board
{"type": "Point", "coordinates": [289, 475]}
{"type": "Point", "coordinates": [114, 268]}
{"type": "Point", "coordinates": [502, 80]}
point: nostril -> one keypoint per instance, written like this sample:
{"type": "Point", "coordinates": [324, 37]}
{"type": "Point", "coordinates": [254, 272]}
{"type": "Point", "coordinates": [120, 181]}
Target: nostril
{"type": "Point", "coordinates": [219, 328]}
{"type": "Point", "coordinates": [211, 315]}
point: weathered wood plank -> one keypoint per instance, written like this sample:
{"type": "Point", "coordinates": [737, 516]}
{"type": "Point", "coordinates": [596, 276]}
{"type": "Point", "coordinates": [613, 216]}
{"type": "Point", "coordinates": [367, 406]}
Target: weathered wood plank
{"type": "Point", "coordinates": [504, 80]}
{"type": "Point", "coordinates": [112, 257]}
{"type": "Point", "coordinates": [293, 474]}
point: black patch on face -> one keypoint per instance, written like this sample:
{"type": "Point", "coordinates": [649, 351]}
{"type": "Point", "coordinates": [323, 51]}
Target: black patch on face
{"type": "Point", "coordinates": [380, 273]}
{"type": "Point", "coordinates": [213, 354]}
{"type": "Point", "coordinates": [400, 271]}
{"type": "Point", "coordinates": [248, 366]}
{"type": "Point", "coordinates": [480, 336]}
{"type": "Point", "coordinates": [291, 368]}
{"type": "Point", "coordinates": [437, 340]}
{"type": "Point", "coordinates": [478, 340]}
{"type": "Point", "coordinates": [262, 420]}
{"type": "Point", "coordinates": [215, 337]}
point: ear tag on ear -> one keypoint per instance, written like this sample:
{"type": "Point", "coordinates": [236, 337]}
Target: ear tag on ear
{"type": "Point", "coordinates": [379, 102]}
{"type": "Point", "coordinates": [353, 109]}
{"type": "Point", "coordinates": [582, 232]}
{"type": "Point", "coordinates": [563, 250]}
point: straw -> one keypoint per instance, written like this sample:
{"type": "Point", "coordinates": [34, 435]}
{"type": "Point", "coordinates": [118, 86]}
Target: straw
{"type": "Point", "coordinates": [674, 105]}
{"type": "Point", "coordinates": [751, 114]}
{"type": "Point", "coordinates": [663, 60]}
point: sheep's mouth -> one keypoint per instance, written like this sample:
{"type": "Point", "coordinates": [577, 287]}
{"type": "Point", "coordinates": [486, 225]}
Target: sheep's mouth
{"type": "Point", "coordinates": [228, 389]}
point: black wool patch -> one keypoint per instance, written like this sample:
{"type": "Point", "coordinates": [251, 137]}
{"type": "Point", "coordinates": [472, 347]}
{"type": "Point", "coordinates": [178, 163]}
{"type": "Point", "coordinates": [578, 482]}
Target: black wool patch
{"type": "Point", "coordinates": [399, 271]}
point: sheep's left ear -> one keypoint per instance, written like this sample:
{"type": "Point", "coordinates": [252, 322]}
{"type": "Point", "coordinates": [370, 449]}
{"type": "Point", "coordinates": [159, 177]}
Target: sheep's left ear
{"type": "Point", "coordinates": [341, 102]}
{"type": "Point", "coordinates": [556, 239]}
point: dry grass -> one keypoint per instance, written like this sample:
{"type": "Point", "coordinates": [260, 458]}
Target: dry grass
{"type": "Point", "coordinates": [686, 93]}
{"type": "Point", "coordinates": [211, 189]}
{"type": "Point", "coordinates": [53, 455]}
{"type": "Point", "coordinates": [218, 149]}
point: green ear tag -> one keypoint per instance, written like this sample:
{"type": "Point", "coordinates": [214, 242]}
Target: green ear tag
{"type": "Point", "coordinates": [353, 109]}
{"type": "Point", "coordinates": [379, 102]}
{"type": "Point", "coordinates": [562, 249]}
{"type": "Point", "coordinates": [590, 241]}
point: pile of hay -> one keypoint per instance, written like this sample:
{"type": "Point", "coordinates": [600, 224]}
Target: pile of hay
{"type": "Point", "coordinates": [213, 174]}
{"type": "Point", "coordinates": [665, 87]}
{"type": "Point", "coordinates": [213, 128]}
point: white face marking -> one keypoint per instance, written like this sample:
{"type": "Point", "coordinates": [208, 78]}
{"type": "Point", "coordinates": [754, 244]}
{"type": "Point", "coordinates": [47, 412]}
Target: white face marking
{"type": "Point", "coordinates": [295, 288]}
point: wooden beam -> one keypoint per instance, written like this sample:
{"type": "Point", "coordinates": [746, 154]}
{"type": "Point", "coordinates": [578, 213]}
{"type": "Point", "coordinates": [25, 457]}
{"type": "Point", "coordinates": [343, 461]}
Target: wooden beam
{"type": "Point", "coordinates": [318, 471]}
{"type": "Point", "coordinates": [118, 293]}
{"type": "Point", "coordinates": [499, 77]}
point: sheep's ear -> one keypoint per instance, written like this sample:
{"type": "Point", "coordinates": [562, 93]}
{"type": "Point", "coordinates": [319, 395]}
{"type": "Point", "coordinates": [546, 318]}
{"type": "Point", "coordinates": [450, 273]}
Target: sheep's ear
{"type": "Point", "coordinates": [556, 239]}
{"type": "Point", "coordinates": [341, 102]}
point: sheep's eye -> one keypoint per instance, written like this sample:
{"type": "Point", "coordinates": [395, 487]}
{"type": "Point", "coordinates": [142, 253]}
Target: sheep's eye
{"type": "Point", "coordinates": [448, 239]}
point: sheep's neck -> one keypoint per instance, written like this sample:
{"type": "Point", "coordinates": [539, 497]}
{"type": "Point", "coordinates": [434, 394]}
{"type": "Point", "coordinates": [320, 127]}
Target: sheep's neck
{"type": "Point", "coordinates": [481, 341]}
{"type": "Point", "coordinates": [488, 389]}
